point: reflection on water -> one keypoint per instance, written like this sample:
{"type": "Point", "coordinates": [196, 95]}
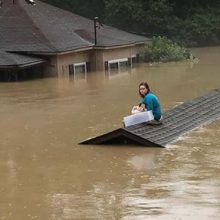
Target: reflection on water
{"type": "Point", "coordinates": [112, 74]}
{"type": "Point", "coordinates": [80, 75]}
{"type": "Point", "coordinates": [45, 174]}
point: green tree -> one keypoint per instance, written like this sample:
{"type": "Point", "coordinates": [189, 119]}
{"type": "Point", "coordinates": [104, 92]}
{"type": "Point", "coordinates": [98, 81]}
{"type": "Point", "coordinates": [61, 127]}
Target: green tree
{"type": "Point", "coordinates": [145, 15]}
{"type": "Point", "coordinates": [162, 49]}
{"type": "Point", "coordinates": [187, 22]}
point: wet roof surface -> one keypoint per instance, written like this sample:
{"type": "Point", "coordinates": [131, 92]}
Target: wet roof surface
{"type": "Point", "coordinates": [177, 122]}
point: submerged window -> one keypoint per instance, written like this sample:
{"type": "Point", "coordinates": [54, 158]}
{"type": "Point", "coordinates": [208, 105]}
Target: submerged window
{"type": "Point", "coordinates": [123, 65]}
{"type": "Point", "coordinates": [113, 66]}
{"type": "Point", "coordinates": [78, 70]}
{"type": "Point", "coordinates": [118, 65]}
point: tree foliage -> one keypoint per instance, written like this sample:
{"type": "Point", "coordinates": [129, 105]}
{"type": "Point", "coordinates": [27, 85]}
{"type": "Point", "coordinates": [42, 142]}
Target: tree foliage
{"type": "Point", "coordinates": [187, 22]}
{"type": "Point", "coordinates": [161, 49]}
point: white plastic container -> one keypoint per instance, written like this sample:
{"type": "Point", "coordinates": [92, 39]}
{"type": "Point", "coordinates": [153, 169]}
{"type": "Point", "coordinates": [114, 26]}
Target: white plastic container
{"type": "Point", "coordinates": [138, 118]}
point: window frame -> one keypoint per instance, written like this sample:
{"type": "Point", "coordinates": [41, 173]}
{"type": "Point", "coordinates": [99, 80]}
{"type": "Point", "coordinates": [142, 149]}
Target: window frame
{"type": "Point", "coordinates": [118, 61]}
{"type": "Point", "coordinates": [79, 64]}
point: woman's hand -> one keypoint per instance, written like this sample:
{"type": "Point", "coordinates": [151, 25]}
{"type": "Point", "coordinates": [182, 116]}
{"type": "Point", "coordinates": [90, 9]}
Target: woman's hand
{"type": "Point", "coordinates": [141, 108]}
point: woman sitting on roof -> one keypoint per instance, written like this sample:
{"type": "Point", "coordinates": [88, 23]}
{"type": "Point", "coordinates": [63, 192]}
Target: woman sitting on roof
{"type": "Point", "coordinates": [149, 101]}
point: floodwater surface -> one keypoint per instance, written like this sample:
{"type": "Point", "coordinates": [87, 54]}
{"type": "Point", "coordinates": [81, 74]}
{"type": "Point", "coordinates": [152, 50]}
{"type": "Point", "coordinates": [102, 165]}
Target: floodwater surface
{"type": "Point", "coordinates": [46, 175]}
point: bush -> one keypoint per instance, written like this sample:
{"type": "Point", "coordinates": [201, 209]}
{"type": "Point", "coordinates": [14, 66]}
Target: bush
{"type": "Point", "coordinates": [161, 49]}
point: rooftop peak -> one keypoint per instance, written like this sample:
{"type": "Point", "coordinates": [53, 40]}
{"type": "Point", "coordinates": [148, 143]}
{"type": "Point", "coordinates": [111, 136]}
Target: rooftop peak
{"type": "Point", "coordinates": [31, 2]}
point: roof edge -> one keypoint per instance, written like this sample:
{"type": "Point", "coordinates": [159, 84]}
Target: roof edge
{"type": "Point", "coordinates": [118, 46]}
{"type": "Point", "coordinates": [119, 133]}
{"type": "Point", "coordinates": [17, 66]}
{"type": "Point", "coordinates": [63, 52]}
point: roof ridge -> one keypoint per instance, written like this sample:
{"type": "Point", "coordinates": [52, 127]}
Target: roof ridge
{"type": "Point", "coordinates": [35, 25]}
{"type": "Point", "coordinates": [72, 13]}
{"type": "Point", "coordinates": [40, 30]}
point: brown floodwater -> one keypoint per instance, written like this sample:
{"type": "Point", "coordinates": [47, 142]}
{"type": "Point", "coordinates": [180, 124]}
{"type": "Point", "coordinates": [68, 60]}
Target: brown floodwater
{"type": "Point", "coordinates": [46, 175]}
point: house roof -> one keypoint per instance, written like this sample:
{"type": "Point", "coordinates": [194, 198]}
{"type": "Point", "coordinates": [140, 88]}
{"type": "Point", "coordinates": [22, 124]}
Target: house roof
{"type": "Point", "coordinates": [13, 60]}
{"type": "Point", "coordinates": [43, 28]}
{"type": "Point", "coordinates": [176, 122]}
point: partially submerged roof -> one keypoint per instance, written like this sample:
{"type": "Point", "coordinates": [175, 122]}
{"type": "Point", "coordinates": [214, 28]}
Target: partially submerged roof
{"type": "Point", "coordinates": [177, 122]}
{"type": "Point", "coordinates": [43, 28]}
{"type": "Point", "coordinates": [13, 60]}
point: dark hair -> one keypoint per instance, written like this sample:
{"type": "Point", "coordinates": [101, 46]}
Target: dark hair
{"type": "Point", "coordinates": [145, 85]}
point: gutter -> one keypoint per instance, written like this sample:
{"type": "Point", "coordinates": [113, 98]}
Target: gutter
{"type": "Point", "coordinates": [117, 46]}
{"type": "Point", "coordinates": [22, 65]}
{"type": "Point", "coordinates": [60, 52]}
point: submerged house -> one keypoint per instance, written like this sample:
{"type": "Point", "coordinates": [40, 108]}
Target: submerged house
{"type": "Point", "coordinates": [36, 37]}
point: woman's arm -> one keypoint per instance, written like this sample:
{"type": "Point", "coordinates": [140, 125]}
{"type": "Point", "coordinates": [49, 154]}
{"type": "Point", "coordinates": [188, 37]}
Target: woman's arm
{"type": "Point", "coordinates": [148, 102]}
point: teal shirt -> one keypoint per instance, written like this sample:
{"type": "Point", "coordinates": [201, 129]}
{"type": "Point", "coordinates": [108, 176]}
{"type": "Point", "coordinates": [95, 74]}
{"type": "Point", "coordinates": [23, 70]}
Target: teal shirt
{"type": "Point", "coordinates": [152, 103]}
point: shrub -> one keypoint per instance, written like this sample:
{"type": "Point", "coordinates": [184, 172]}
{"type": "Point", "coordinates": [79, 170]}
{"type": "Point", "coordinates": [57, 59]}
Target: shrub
{"type": "Point", "coordinates": [161, 49]}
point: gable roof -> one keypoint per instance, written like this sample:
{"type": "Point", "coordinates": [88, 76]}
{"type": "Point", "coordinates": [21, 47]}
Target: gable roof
{"type": "Point", "coordinates": [43, 28]}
